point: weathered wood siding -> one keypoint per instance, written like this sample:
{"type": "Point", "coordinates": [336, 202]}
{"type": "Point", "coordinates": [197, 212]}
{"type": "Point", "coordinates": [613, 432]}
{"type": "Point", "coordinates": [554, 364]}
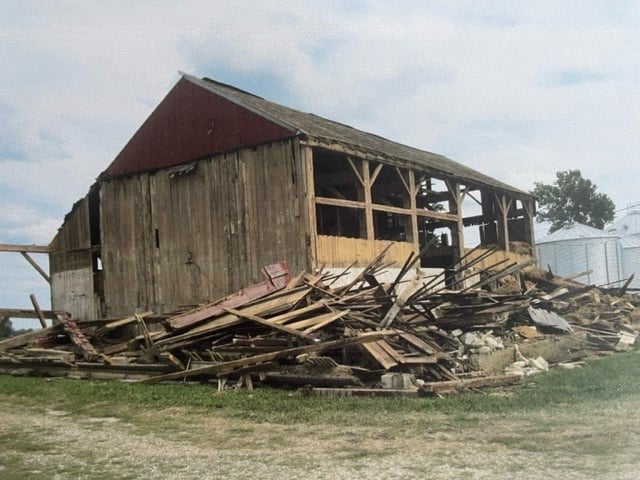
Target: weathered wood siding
{"type": "Point", "coordinates": [71, 267]}
{"type": "Point", "coordinates": [170, 241]}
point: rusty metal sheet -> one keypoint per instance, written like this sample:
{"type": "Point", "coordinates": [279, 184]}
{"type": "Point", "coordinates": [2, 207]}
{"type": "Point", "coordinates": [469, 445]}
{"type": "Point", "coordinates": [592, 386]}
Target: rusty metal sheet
{"type": "Point", "coordinates": [192, 123]}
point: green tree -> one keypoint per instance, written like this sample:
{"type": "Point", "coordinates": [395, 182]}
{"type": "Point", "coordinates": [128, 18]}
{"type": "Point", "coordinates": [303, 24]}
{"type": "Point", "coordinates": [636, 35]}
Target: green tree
{"type": "Point", "coordinates": [573, 198]}
{"type": "Point", "coordinates": [6, 328]}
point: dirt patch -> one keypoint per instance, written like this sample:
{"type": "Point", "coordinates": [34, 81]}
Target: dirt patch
{"type": "Point", "coordinates": [53, 444]}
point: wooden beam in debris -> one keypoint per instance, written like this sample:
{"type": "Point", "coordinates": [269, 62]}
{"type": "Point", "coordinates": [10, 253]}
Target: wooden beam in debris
{"type": "Point", "coordinates": [7, 247]}
{"type": "Point", "coordinates": [267, 357]}
{"type": "Point", "coordinates": [281, 328]}
{"type": "Point", "coordinates": [276, 278]}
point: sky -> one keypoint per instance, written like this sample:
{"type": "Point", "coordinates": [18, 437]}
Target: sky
{"type": "Point", "coordinates": [517, 90]}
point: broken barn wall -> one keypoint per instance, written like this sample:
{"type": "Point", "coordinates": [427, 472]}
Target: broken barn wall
{"type": "Point", "coordinates": [171, 239]}
{"type": "Point", "coordinates": [71, 265]}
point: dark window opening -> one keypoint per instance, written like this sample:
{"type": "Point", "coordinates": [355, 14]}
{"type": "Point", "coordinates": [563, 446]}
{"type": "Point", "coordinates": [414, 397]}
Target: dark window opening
{"type": "Point", "coordinates": [440, 255]}
{"type": "Point", "coordinates": [340, 221]}
{"type": "Point", "coordinates": [389, 188]}
{"type": "Point", "coordinates": [94, 215]}
{"type": "Point", "coordinates": [157, 238]}
{"type": "Point", "coordinates": [334, 178]}
{"type": "Point", "coordinates": [433, 195]}
{"type": "Point", "coordinates": [392, 226]}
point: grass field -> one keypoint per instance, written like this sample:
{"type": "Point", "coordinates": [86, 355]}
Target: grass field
{"type": "Point", "coordinates": [583, 423]}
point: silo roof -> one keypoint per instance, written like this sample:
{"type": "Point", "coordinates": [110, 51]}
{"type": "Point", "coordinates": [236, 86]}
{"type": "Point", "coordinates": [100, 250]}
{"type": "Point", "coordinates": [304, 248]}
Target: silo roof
{"type": "Point", "coordinates": [630, 242]}
{"type": "Point", "coordinates": [629, 224]}
{"type": "Point", "coordinates": [576, 231]}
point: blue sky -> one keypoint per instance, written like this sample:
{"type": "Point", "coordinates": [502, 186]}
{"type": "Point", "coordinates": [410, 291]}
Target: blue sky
{"type": "Point", "coordinates": [518, 90]}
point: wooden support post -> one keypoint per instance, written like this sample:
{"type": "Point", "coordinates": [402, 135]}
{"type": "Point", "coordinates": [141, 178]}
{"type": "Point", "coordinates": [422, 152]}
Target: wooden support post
{"type": "Point", "coordinates": [503, 220]}
{"type": "Point", "coordinates": [312, 225]}
{"type": "Point", "coordinates": [413, 193]}
{"type": "Point", "coordinates": [36, 307]}
{"type": "Point", "coordinates": [368, 206]}
{"type": "Point", "coordinates": [457, 229]}
{"type": "Point", "coordinates": [529, 212]}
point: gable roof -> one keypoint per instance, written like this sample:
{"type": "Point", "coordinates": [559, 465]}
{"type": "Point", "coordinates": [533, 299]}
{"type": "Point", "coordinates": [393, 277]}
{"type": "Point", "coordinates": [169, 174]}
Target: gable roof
{"type": "Point", "coordinates": [200, 118]}
{"type": "Point", "coordinates": [318, 127]}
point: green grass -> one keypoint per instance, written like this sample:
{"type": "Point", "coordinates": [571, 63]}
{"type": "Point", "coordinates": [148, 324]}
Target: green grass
{"type": "Point", "coordinates": [582, 420]}
{"type": "Point", "coordinates": [598, 381]}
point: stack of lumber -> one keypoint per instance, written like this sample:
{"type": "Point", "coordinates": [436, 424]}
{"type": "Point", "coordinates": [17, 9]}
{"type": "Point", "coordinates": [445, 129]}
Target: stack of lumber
{"type": "Point", "coordinates": [316, 331]}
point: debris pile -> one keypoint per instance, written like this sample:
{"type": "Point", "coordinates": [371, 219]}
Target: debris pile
{"type": "Point", "coordinates": [414, 336]}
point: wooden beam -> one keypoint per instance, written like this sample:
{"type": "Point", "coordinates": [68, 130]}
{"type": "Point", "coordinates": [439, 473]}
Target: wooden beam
{"type": "Point", "coordinates": [310, 194]}
{"type": "Point", "coordinates": [413, 191]}
{"type": "Point", "coordinates": [21, 313]}
{"type": "Point", "coordinates": [8, 247]}
{"type": "Point", "coordinates": [39, 269]}
{"type": "Point", "coordinates": [267, 357]}
{"type": "Point", "coordinates": [274, 326]}
{"type": "Point", "coordinates": [368, 213]}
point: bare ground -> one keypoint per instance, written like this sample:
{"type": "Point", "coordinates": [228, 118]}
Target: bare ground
{"type": "Point", "coordinates": [181, 444]}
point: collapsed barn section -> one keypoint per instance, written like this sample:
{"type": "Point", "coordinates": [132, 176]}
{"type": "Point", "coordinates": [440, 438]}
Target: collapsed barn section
{"type": "Point", "coordinates": [218, 182]}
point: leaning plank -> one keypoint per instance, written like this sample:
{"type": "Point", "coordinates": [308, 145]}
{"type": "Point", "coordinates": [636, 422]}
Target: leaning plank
{"type": "Point", "coordinates": [317, 321]}
{"type": "Point", "coordinates": [267, 357]}
{"type": "Point", "coordinates": [126, 320]}
{"type": "Point", "coordinates": [274, 326]}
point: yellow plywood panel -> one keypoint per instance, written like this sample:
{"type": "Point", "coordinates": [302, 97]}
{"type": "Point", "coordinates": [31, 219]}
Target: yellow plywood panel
{"type": "Point", "coordinates": [335, 251]}
{"type": "Point", "coordinates": [495, 258]}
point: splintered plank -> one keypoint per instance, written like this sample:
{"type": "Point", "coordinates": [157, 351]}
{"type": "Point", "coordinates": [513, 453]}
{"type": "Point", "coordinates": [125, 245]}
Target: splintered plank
{"type": "Point", "coordinates": [274, 326]}
{"type": "Point", "coordinates": [270, 305]}
{"type": "Point", "coordinates": [311, 324]}
{"type": "Point", "coordinates": [126, 320]}
{"type": "Point", "coordinates": [418, 343]}
{"type": "Point", "coordinates": [276, 278]}
{"type": "Point", "coordinates": [363, 338]}
{"type": "Point", "coordinates": [380, 355]}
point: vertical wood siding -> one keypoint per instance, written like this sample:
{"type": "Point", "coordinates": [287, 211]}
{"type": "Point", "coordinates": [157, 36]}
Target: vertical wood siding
{"type": "Point", "coordinates": [217, 226]}
{"type": "Point", "coordinates": [71, 265]}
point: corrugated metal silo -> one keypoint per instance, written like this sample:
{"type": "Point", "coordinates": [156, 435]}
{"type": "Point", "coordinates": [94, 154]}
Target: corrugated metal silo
{"type": "Point", "coordinates": [577, 248]}
{"type": "Point", "coordinates": [631, 259]}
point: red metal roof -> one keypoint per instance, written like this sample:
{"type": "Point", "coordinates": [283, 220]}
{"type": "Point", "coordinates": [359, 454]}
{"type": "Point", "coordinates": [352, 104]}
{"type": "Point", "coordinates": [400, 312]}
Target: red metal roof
{"type": "Point", "coordinates": [192, 123]}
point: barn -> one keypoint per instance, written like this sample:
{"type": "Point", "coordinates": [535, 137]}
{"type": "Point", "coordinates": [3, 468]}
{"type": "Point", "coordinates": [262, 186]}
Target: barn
{"type": "Point", "coordinates": [219, 182]}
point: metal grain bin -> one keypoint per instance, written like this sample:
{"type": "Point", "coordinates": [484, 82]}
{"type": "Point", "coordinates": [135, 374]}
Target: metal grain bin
{"type": "Point", "coordinates": [631, 259]}
{"type": "Point", "coordinates": [577, 248]}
